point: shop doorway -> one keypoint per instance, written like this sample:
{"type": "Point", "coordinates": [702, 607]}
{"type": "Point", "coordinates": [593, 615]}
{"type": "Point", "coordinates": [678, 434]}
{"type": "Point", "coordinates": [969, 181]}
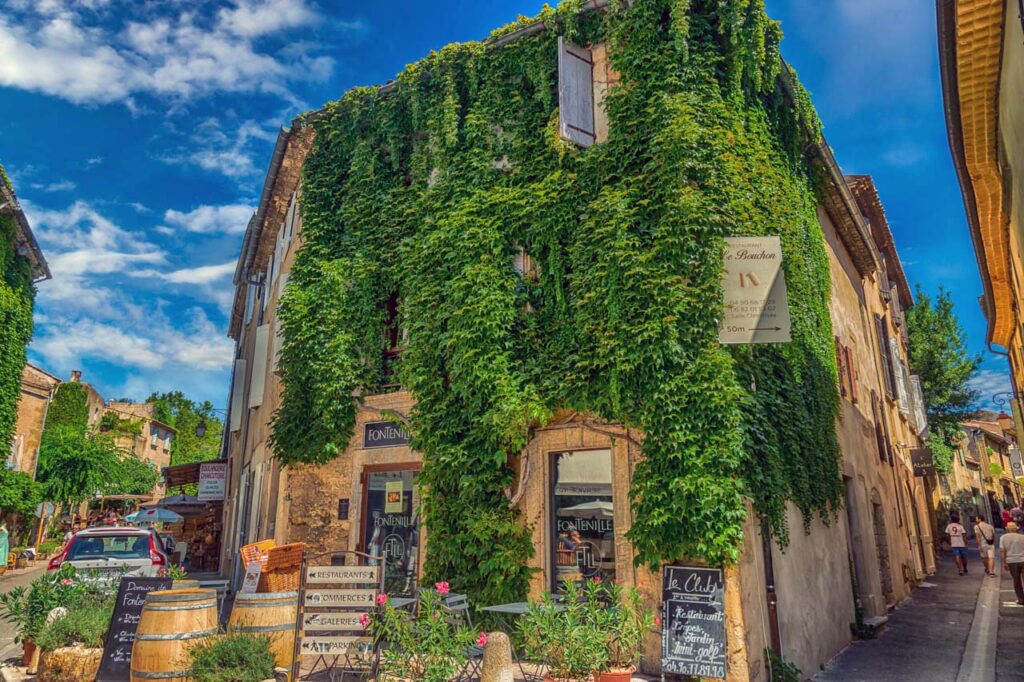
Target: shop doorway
{"type": "Point", "coordinates": [582, 517]}
{"type": "Point", "coordinates": [882, 545]}
{"type": "Point", "coordinates": [391, 524]}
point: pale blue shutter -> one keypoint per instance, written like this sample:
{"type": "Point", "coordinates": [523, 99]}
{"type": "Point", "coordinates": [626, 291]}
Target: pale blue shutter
{"type": "Point", "coordinates": [575, 93]}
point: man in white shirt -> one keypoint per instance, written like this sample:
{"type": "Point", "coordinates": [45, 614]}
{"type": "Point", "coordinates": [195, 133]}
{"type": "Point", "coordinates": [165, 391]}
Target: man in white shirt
{"type": "Point", "coordinates": [958, 541]}
{"type": "Point", "coordinates": [985, 534]}
{"type": "Point", "coordinates": [1011, 547]}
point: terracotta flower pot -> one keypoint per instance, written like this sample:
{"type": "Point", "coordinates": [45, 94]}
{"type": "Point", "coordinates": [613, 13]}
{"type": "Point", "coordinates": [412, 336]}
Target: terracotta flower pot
{"type": "Point", "coordinates": [618, 675]}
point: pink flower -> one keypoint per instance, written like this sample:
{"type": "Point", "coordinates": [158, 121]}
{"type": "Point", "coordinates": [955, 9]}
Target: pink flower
{"type": "Point", "coordinates": [442, 588]}
{"type": "Point", "coordinates": [364, 619]}
{"type": "Point", "coordinates": [437, 616]}
{"type": "Point", "coordinates": [657, 621]}
{"type": "Point", "coordinates": [67, 582]}
{"type": "Point", "coordinates": [596, 579]}
{"type": "Point", "coordinates": [381, 599]}
{"type": "Point", "coordinates": [618, 582]}
{"type": "Point", "coordinates": [481, 641]}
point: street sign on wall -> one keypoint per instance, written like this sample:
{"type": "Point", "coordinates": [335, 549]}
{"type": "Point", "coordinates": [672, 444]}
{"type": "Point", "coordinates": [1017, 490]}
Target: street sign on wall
{"type": "Point", "coordinates": [213, 478]}
{"type": "Point", "coordinates": [922, 461]}
{"type": "Point", "coordinates": [756, 309]}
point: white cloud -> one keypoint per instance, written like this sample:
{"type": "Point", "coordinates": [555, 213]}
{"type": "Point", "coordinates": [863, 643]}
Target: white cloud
{"type": "Point", "coordinates": [988, 383]}
{"type": "Point", "coordinates": [66, 51]}
{"type": "Point", "coordinates": [213, 149]}
{"type": "Point", "coordinates": [204, 274]}
{"type": "Point", "coordinates": [61, 186]}
{"type": "Point", "coordinates": [229, 219]}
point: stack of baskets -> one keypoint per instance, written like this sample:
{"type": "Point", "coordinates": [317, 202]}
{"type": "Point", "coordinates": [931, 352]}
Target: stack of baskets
{"type": "Point", "coordinates": [282, 565]}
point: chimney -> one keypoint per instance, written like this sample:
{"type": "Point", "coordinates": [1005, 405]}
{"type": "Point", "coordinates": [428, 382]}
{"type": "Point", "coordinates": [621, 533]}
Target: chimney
{"type": "Point", "coordinates": [76, 376]}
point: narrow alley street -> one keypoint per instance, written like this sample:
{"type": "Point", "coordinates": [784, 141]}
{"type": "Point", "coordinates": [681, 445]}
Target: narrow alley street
{"type": "Point", "coordinates": [963, 628]}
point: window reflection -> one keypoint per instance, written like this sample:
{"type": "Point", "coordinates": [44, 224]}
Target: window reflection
{"type": "Point", "coordinates": [583, 516]}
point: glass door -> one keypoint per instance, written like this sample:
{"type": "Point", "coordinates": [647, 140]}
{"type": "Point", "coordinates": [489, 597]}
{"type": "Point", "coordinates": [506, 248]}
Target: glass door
{"type": "Point", "coordinates": [391, 526]}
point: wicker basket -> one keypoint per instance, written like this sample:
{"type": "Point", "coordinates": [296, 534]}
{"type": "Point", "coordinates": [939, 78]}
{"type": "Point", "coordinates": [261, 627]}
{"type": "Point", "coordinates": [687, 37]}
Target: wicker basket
{"type": "Point", "coordinates": [258, 551]}
{"type": "Point", "coordinates": [282, 570]}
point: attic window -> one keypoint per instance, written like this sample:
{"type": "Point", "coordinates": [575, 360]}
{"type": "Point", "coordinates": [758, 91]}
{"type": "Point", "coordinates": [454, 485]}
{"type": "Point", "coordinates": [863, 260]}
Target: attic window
{"type": "Point", "coordinates": [584, 78]}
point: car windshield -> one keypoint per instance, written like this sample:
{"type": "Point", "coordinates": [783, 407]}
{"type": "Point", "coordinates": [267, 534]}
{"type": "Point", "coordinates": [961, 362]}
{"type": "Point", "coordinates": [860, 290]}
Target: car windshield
{"type": "Point", "coordinates": [110, 546]}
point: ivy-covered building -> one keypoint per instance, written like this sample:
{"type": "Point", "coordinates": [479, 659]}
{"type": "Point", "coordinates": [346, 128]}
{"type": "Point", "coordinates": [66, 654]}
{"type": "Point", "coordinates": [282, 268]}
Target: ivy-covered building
{"type": "Point", "coordinates": [477, 332]}
{"type": "Point", "coordinates": [22, 265]}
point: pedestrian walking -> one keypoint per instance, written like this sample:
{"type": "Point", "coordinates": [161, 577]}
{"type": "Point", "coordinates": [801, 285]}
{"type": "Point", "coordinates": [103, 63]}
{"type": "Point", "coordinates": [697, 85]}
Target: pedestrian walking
{"type": "Point", "coordinates": [1011, 547]}
{"type": "Point", "coordinates": [985, 534]}
{"type": "Point", "coordinates": [958, 541]}
{"type": "Point", "coordinates": [1005, 514]}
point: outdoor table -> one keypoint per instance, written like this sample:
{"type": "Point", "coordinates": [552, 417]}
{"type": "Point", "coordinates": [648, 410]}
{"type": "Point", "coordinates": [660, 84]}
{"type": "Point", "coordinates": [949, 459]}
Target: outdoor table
{"type": "Point", "coordinates": [516, 609]}
{"type": "Point", "coordinates": [402, 602]}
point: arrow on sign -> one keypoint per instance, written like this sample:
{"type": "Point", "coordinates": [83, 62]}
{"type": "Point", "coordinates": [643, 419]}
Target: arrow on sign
{"type": "Point", "coordinates": [766, 329]}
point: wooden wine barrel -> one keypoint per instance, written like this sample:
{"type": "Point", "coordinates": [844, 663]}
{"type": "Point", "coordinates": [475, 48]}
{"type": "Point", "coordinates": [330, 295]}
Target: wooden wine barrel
{"type": "Point", "coordinates": [171, 623]}
{"type": "Point", "coordinates": [272, 614]}
{"type": "Point", "coordinates": [185, 584]}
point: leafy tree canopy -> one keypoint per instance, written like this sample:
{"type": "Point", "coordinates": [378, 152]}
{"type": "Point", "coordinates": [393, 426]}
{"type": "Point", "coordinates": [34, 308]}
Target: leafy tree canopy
{"type": "Point", "coordinates": [939, 356]}
{"type": "Point", "coordinates": [176, 410]}
{"type": "Point", "coordinates": [74, 466]}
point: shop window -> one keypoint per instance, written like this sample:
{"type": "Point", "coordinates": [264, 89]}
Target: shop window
{"type": "Point", "coordinates": [583, 519]}
{"type": "Point", "coordinates": [391, 526]}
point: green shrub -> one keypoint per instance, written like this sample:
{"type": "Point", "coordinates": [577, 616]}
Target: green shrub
{"type": "Point", "coordinates": [84, 624]}
{"type": "Point", "coordinates": [234, 657]}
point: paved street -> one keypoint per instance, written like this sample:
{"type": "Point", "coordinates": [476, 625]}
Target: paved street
{"type": "Point", "coordinates": [8, 649]}
{"type": "Point", "coordinates": [950, 629]}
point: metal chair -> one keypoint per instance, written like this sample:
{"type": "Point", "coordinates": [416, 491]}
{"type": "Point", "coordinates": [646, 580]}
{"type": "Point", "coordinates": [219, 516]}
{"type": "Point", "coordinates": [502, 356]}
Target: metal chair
{"type": "Point", "coordinates": [458, 607]}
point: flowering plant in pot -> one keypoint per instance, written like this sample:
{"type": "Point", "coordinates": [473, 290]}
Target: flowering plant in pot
{"type": "Point", "coordinates": [623, 619]}
{"type": "Point", "coordinates": [428, 644]}
{"type": "Point", "coordinates": [564, 635]}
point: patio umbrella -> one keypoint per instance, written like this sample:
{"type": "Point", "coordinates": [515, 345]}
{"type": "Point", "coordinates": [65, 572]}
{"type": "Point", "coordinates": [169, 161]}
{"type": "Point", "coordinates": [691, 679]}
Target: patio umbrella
{"type": "Point", "coordinates": [154, 515]}
{"type": "Point", "coordinates": [186, 505]}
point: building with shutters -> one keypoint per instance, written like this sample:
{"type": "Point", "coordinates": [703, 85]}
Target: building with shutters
{"type": "Point", "coordinates": [141, 433]}
{"type": "Point", "coordinates": [986, 474]}
{"type": "Point", "coordinates": [802, 600]}
{"type": "Point", "coordinates": [981, 57]}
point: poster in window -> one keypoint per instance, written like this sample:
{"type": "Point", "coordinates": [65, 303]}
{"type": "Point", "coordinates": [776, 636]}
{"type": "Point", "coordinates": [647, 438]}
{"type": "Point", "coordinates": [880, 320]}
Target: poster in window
{"type": "Point", "coordinates": [393, 497]}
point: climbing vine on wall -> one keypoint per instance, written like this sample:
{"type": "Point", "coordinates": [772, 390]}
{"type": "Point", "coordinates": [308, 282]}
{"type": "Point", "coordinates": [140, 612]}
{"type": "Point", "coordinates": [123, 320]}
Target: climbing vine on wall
{"type": "Point", "coordinates": [430, 190]}
{"type": "Point", "coordinates": [17, 294]}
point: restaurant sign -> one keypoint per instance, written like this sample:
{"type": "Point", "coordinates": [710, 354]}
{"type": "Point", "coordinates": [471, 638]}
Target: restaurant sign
{"type": "Point", "coordinates": [693, 621]}
{"type": "Point", "coordinates": [383, 435]}
{"type": "Point", "coordinates": [213, 478]}
{"type": "Point", "coordinates": [754, 285]}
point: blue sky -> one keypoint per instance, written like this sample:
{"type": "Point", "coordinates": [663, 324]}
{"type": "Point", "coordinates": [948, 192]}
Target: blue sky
{"type": "Point", "coordinates": [137, 135]}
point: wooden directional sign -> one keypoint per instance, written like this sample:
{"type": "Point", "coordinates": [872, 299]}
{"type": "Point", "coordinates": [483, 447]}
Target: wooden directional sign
{"type": "Point", "coordinates": [334, 646]}
{"type": "Point", "coordinates": [319, 575]}
{"type": "Point", "coordinates": [756, 309]}
{"type": "Point", "coordinates": [340, 598]}
{"type": "Point", "coordinates": [328, 622]}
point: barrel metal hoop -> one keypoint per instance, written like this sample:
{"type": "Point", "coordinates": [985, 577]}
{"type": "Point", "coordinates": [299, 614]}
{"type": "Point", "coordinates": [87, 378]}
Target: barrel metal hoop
{"type": "Point", "coordinates": [264, 605]}
{"type": "Point", "coordinates": [265, 596]}
{"type": "Point", "coordinates": [146, 637]}
{"type": "Point", "coordinates": [186, 607]}
{"type": "Point", "coordinates": [161, 676]}
{"type": "Point", "coordinates": [263, 628]}
{"type": "Point", "coordinates": [182, 595]}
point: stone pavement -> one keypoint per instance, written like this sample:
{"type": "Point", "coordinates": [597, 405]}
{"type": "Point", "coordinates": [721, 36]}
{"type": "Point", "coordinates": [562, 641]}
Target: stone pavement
{"type": "Point", "coordinates": [947, 630]}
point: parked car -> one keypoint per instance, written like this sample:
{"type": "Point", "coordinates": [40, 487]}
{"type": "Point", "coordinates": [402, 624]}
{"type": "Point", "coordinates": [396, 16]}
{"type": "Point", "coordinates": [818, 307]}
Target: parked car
{"type": "Point", "coordinates": [112, 551]}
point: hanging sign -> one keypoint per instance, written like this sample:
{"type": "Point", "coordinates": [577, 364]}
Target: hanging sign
{"type": "Point", "coordinates": [117, 650]}
{"type": "Point", "coordinates": [383, 435]}
{"type": "Point", "coordinates": [344, 598]}
{"type": "Point", "coordinates": [342, 574]}
{"type": "Point", "coordinates": [921, 459]}
{"type": "Point", "coordinates": [213, 478]}
{"type": "Point", "coordinates": [756, 310]}
{"type": "Point", "coordinates": [693, 621]}
{"type": "Point", "coordinates": [334, 646]}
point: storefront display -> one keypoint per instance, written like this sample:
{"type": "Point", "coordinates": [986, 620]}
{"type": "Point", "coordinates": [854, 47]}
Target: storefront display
{"type": "Point", "coordinates": [583, 522]}
{"type": "Point", "coordinates": [391, 526]}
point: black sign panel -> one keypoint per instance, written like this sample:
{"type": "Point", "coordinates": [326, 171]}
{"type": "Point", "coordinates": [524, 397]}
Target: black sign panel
{"type": "Point", "coordinates": [693, 622]}
{"type": "Point", "coordinates": [921, 459]}
{"type": "Point", "coordinates": [117, 651]}
{"type": "Point", "coordinates": [383, 435]}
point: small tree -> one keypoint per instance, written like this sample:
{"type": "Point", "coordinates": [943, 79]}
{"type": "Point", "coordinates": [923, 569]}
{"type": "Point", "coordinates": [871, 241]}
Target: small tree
{"type": "Point", "coordinates": [939, 356]}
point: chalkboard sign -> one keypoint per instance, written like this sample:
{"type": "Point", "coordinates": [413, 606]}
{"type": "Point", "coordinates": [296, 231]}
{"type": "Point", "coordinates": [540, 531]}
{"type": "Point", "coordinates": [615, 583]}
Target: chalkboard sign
{"type": "Point", "coordinates": [117, 651]}
{"type": "Point", "coordinates": [693, 622]}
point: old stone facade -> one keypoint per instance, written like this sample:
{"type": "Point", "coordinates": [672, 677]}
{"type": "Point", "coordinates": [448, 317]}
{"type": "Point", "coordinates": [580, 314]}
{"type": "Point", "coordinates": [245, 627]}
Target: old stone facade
{"type": "Point", "coordinates": [37, 390]}
{"type": "Point", "coordinates": [983, 477]}
{"type": "Point", "coordinates": [854, 568]}
{"type": "Point", "coordinates": [150, 440]}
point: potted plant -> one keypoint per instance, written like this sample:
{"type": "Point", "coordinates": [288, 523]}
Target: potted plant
{"type": "Point", "coordinates": [428, 644]}
{"type": "Point", "coordinates": [623, 619]}
{"type": "Point", "coordinates": [233, 657]}
{"type": "Point", "coordinates": [565, 636]}
{"type": "Point", "coordinates": [72, 643]}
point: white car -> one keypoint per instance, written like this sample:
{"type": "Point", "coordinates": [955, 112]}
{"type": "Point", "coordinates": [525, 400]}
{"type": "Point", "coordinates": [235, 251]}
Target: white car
{"type": "Point", "coordinates": [113, 551]}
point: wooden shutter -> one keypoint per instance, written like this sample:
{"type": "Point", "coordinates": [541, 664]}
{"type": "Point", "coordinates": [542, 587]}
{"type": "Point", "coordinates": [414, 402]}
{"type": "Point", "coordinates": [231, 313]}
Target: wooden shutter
{"type": "Point", "coordinates": [851, 371]}
{"type": "Point", "coordinates": [259, 366]}
{"type": "Point", "coordinates": [576, 93]}
{"type": "Point", "coordinates": [920, 418]}
{"type": "Point", "coordinates": [237, 386]}
{"type": "Point", "coordinates": [889, 378]}
{"type": "Point", "coordinates": [901, 377]}
{"type": "Point", "coordinates": [250, 301]}
{"type": "Point", "coordinates": [841, 367]}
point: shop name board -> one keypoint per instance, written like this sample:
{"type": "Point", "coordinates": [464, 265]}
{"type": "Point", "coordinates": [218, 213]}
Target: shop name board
{"type": "Point", "coordinates": [601, 526]}
{"type": "Point", "coordinates": [343, 574]}
{"type": "Point", "coordinates": [383, 435]}
{"type": "Point", "coordinates": [921, 460]}
{"type": "Point", "coordinates": [340, 598]}
{"type": "Point", "coordinates": [693, 621]}
{"type": "Point", "coordinates": [213, 478]}
{"type": "Point", "coordinates": [754, 286]}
